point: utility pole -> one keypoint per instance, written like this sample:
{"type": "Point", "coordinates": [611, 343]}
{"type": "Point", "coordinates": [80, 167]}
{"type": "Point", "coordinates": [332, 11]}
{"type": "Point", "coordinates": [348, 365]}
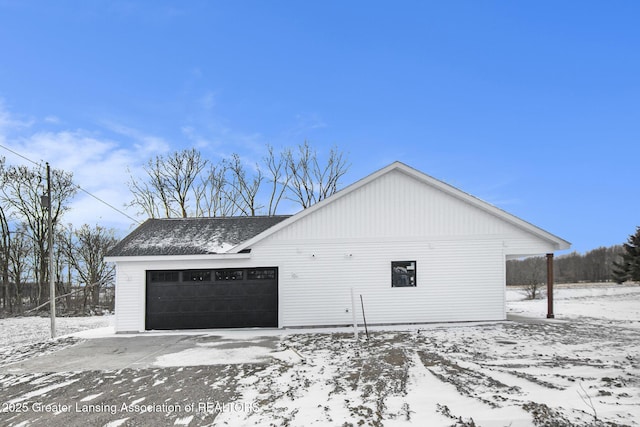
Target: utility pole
{"type": "Point", "coordinates": [46, 202]}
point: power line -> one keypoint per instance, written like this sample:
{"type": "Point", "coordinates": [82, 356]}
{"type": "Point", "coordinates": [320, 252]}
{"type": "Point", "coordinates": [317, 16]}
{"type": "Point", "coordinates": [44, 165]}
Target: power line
{"type": "Point", "coordinates": [77, 186]}
{"type": "Point", "coordinates": [20, 155]}
{"type": "Point", "coordinates": [108, 204]}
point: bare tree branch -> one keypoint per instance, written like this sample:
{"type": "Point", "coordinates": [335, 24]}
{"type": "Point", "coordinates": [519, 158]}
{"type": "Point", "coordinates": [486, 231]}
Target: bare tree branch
{"type": "Point", "coordinates": [143, 197]}
{"type": "Point", "coordinates": [279, 179]}
{"type": "Point", "coordinates": [246, 188]}
{"type": "Point", "coordinates": [310, 181]}
{"type": "Point", "coordinates": [86, 253]}
{"type": "Point", "coordinates": [21, 191]}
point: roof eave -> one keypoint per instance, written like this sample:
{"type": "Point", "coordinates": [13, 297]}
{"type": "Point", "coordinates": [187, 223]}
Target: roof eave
{"type": "Point", "coordinates": [559, 243]}
{"type": "Point", "coordinates": [162, 258]}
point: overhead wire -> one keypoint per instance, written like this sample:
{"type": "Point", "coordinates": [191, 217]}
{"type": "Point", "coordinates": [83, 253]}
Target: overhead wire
{"type": "Point", "coordinates": [76, 185]}
{"type": "Point", "coordinates": [20, 155]}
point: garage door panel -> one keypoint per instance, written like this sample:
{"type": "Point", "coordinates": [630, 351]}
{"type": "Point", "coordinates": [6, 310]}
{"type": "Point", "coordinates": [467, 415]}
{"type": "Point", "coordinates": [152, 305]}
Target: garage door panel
{"type": "Point", "coordinates": [212, 320]}
{"type": "Point", "coordinates": [212, 299]}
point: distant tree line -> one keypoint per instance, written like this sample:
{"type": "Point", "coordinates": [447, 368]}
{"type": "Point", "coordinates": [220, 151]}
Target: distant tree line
{"type": "Point", "coordinates": [78, 253]}
{"type": "Point", "coordinates": [628, 267]}
{"type": "Point", "coordinates": [185, 184]}
{"type": "Point", "coordinates": [597, 265]}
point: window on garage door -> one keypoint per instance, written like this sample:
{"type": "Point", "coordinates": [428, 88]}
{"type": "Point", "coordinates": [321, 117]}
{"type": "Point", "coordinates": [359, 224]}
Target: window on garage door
{"type": "Point", "coordinates": [229, 274]}
{"type": "Point", "coordinates": [261, 274]}
{"type": "Point", "coordinates": [164, 276]}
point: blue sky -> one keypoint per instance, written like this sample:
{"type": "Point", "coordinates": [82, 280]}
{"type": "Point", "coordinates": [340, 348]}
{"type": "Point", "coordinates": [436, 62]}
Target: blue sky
{"type": "Point", "coordinates": [531, 106]}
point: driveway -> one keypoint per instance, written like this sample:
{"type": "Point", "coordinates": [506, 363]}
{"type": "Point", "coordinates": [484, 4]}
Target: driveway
{"type": "Point", "coordinates": [149, 351]}
{"type": "Point", "coordinates": [165, 349]}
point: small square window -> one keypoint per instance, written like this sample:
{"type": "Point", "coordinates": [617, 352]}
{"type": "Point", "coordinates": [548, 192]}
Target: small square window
{"type": "Point", "coordinates": [403, 274]}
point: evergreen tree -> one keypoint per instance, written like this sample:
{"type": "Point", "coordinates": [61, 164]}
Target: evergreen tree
{"type": "Point", "coordinates": [629, 267]}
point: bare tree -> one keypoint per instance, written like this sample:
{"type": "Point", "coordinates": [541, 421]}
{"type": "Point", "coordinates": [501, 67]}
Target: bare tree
{"type": "Point", "coordinates": [155, 171]}
{"type": "Point", "coordinates": [19, 251]}
{"type": "Point", "coordinates": [214, 196]}
{"type": "Point", "coordinates": [185, 184]}
{"type": "Point", "coordinates": [87, 253]}
{"type": "Point", "coordinates": [64, 272]}
{"type": "Point", "coordinates": [529, 273]}
{"type": "Point", "coordinates": [597, 265]}
{"type": "Point", "coordinates": [278, 177]}
{"type": "Point", "coordinates": [170, 182]}
{"type": "Point", "coordinates": [144, 197]}
{"type": "Point", "coordinates": [152, 195]}
{"type": "Point", "coordinates": [310, 181]}
{"type": "Point", "coordinates": [22, 189]}
{"type": "Point", "coordinates": [4, 249]}
{"type": "Point", "coordinates": [5, 245]}
{"type": "Point", "coordinates": [180, 171]}
{"type": "Point", "coordinates": [243, 188]}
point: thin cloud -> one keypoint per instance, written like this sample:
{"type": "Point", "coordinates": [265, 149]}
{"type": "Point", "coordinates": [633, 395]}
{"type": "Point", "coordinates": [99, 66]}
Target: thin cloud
{"type": "Point", "coordinates": [8, 122]}
{"type": "Point", "coordinates": [99, 165]}
{"type": "Point", "coordinates": [305, 123]}
{"type": "Point", "coordinates": [144, 143]}
{"type": "Point", "coordinates": [208, 101]}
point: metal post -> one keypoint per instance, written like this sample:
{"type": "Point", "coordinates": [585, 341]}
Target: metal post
{"type": "Point", "coordinates": [366, 330]}
{"type": "Point", "coordinates": [52, 284]}
{"type": "Point", "coordinates": [353, 311]}
{"type": "Point", "coordinates": [550, 314]}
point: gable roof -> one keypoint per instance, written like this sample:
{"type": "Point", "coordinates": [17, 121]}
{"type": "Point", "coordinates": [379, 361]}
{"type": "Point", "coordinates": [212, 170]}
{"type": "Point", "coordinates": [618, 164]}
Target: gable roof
{"type": "Point", "coordinates": [231, 235]}
{"type": "Point", "coordinates": [558, 243]}
{"type": "Point", "coordinates": [192, 236]}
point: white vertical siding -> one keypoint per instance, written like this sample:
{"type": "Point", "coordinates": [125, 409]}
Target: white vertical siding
{"type": "Point", "coordinates": [396, 205]}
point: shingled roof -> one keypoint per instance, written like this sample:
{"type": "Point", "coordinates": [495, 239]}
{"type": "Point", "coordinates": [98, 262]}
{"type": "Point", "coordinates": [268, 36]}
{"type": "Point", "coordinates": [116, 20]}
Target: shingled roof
{"type": "Point", "coordinates": [192, 236]}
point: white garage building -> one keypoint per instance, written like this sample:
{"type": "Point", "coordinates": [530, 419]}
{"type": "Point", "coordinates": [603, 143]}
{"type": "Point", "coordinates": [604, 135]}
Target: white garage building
{"type": "Point", "coordinates": [416, 249]}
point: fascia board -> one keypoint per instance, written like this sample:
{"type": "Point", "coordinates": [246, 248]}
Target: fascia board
{"type": "Point", "coordinates": [157, 258]}
{"type": "Point", "coordinates": [558, 242]}
{"type": "Point", "coordinates": [487, 207]}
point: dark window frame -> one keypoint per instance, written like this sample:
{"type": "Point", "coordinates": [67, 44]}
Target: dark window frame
{"type": "Point", "coordinates": [196, 276]}
{"type": "Point", "coordinates": [404, 274]}
{"type": "Point", "coordinates": [262, 273]}
{"type": "Point", "coordinates": [229, 274]}
{"type": "Point", "coordinates": [164, 276]}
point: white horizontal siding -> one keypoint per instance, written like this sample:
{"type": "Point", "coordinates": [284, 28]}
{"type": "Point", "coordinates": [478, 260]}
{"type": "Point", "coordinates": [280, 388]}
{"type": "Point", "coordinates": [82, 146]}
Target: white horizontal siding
{"type": "Point", "coordinates": [519, 242]}
{"type": "Point", "coordinates": [130, 301]}
{"type": "Point", "coordinates": [456, 281]}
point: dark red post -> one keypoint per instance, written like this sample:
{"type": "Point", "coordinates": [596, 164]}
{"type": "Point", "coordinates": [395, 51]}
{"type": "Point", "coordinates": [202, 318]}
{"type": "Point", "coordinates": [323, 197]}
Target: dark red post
{"type": "Point", "coordinates": [550, 314]}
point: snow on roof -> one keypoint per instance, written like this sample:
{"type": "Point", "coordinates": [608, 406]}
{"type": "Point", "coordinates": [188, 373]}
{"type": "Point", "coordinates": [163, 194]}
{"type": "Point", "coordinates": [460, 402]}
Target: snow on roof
{"type": "Point", "coordinates": [192, 236]}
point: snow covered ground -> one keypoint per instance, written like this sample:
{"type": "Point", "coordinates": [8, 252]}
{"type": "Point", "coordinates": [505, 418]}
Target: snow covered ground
{"type": "Point", "coordinates": [583, 368]}
{"type": "Point", "coordinates": [28, 330]}
{"type": "Point", "coordinates": [595, 301]}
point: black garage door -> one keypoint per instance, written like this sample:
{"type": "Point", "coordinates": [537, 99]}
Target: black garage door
{"type": "Point", "coordinates": [228, 298]}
